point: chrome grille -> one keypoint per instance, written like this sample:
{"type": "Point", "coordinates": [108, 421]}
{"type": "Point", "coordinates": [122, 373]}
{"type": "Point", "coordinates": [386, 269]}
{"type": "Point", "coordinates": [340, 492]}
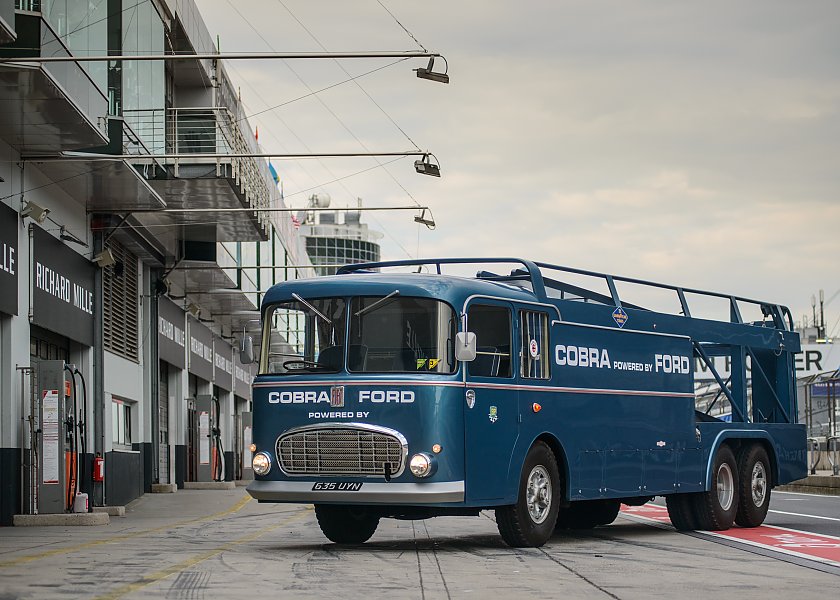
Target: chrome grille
{"type": "Point", "coordinates": [341, 450]}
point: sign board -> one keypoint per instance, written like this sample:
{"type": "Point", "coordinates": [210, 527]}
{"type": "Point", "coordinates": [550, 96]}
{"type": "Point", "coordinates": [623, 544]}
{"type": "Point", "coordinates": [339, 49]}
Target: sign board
{"type": "Point", "coordinates": [62, 288]}
{"type": "Point", "coordinates": [222, 364]}
{"type": "Point", "coordinates": [243, 375]}
{"type": "Point", "coordinates": [812, 360]}
{"type": "Point", "coordinates": [201, 349]}
{"type": "Point", "coordinates": [172, 336]}
{"type": "Point", "coordinates": [8, 260]}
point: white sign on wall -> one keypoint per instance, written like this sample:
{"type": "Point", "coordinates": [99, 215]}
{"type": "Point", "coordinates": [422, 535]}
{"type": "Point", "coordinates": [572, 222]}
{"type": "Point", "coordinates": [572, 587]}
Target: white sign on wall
{"type": "Point", "coordinates": [50, 436]}
{"type": "Point", "coordinates": [204, 438]}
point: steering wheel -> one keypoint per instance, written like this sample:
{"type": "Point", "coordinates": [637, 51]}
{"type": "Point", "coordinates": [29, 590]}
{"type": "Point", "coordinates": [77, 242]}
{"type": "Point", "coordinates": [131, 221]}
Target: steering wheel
{"type": "Point", "coordinates": [302, 362]}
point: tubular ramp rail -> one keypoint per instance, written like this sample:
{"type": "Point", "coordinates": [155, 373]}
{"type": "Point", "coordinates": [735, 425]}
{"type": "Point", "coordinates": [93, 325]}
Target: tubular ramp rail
{"type": "Point", "coordinates": [761, 349]}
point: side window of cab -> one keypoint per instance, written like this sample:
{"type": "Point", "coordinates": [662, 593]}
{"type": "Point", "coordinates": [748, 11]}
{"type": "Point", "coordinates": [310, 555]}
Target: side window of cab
{"type": "Point", "coordinates": [533, 345]}
{"type": "Point", "coordinates": [492, 327]}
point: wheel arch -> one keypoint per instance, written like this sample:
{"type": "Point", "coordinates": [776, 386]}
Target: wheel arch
{"type": "Point", "coordinates": [559, 452]}
{"type": "Point", "coordinates": [737, 440]}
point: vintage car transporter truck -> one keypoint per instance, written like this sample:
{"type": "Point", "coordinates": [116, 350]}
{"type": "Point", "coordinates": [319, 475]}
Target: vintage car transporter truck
{"type": "Point", "coordinates": [386, 394]}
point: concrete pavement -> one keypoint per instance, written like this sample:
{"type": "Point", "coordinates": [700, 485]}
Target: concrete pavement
{"type": "Point", "coordinates": [220, 544]}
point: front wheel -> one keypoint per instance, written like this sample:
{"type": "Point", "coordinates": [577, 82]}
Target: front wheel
{"type": "Point", "coordinates": [754, 490]}
{"type": "Point", "coordinates": [530, 522]}
{"type": "Point", "coordinates": [346, 524]}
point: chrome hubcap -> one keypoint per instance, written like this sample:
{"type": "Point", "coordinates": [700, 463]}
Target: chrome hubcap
{"type": "Point", "coordinates": [538, 494]}
{"type": "Point", "coordinates": [725, 486]}
{"type": "Point", "coordinates": [758, 484]}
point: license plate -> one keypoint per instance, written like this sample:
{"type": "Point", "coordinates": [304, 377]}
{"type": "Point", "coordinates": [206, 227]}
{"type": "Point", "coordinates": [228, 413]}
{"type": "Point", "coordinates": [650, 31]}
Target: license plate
{"type": "Point", "coordinates": [332, 486]}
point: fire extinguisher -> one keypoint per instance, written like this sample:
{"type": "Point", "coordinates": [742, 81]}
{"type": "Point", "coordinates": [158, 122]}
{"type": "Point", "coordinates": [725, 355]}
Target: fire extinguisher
{"type": "Point", "coordinates": [98, 468]}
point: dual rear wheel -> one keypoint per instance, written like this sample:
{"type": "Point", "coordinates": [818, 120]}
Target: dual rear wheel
{"type": "Point", "coordinates": [740, 493]}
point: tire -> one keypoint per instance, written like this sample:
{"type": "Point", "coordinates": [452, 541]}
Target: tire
{"type": "Point", "coordinates": [587, 514]}
{"type": "Point", "coordinates": [715, 510]}
{"type": "Point", "coordinates": [530, 522]}
{"type": "Point", "coordinates": [681, 511]}
{"type": "Point", "coordinates": [754, 488]}
{"type": "Point", "coordinates": [346, 524]}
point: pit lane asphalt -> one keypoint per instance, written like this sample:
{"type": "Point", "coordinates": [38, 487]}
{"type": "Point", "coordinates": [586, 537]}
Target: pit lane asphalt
{"type": "Point", "coordinates": [218, 544]}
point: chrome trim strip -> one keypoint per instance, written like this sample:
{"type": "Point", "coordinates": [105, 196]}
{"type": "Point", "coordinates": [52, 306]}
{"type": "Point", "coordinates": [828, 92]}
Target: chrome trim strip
{"type": "Point", "coordinates": [379, 493]}
{"type": "Point", "coordinates": [349, 382]}
{"type": "Point", "coordinates": [495, 386]}
{"type": "Point", "coordinates": [574, 390]}
{"type": "Point", "coordinates": [359, 426]}
{"type": "Point", "coordinates": [514, 301]}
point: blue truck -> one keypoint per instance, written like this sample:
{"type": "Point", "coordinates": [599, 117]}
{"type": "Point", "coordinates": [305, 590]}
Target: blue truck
{"type": "Point", "coordinates": [548, 394]}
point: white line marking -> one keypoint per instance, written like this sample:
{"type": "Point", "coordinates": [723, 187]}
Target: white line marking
{"type": "Point", "coordinates": [806, 494]}
{"type": "Point", "coordinates": [793, 514]}
{"type": "Point", "coordinates": [723, 536]}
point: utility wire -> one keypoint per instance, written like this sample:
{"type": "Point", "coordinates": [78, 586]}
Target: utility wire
{"type": "Point", "coordinates": [286, 125]}
{"type": "Point", "coordinates": [323, 89]}
{"type": "Point", "coordinates": [411, 35]}
{"type": "Point", "coordinates": [359, 85]}
{"type": "Point", "coordinates": [320, 100]}
{"type": "Point", "coordinates": [63, 179]}
{"type": "Point", "coordinates": [337, 179]}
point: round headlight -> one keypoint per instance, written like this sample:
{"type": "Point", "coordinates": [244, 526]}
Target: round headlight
{"type": "Point", "coordinates": [261, 463]}
{"type": "Point", "coordinates": [421, 465]}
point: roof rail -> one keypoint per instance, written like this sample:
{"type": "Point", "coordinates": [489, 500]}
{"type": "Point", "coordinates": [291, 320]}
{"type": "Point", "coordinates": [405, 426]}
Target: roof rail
{"type": "Point", "coordinates": [534, 274]}
{"type": "Point", "coordinates": [533, 271]}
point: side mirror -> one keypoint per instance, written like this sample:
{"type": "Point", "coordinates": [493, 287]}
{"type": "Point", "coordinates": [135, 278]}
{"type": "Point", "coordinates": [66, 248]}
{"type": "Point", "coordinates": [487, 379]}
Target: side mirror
{"type": "Point", "coordinates": [246, 350]}
{"type": "Point", "coordinates": [465, 346]}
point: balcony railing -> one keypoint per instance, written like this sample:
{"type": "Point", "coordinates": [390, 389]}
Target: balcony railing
{"type": "Point", "coordinates": [206, 130]}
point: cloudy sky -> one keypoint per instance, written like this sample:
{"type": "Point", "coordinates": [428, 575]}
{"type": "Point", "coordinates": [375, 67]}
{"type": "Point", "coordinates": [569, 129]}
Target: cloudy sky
{"type": "Point", "coordinates": [695, 143]}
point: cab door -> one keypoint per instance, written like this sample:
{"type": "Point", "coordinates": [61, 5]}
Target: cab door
{"type": "Point", "coordinates": [491, 404]}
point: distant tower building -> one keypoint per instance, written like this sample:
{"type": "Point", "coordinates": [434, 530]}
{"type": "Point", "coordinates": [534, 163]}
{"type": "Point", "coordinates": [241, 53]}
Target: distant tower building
{"type": "Point", "coordinates": [336, 237]}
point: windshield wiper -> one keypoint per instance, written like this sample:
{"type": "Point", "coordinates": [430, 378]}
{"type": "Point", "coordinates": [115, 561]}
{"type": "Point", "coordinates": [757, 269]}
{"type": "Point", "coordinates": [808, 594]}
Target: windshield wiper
{"type": "Point", "coordinates": [376, 304]}
{"type": "Point", "coordinates": [317, 312]}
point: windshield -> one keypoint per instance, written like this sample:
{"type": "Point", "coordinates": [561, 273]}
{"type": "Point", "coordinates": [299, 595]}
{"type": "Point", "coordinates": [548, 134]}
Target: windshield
{"type": "Point", "coordinates": [391, 334]}
{"type": "Point", "coordinates": [388, 334]}
{"type": "Point", "coordinates": [305, 335]}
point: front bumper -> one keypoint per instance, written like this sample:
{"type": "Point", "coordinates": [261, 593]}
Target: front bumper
{"type": "Point", "coordinates": [372, 493]}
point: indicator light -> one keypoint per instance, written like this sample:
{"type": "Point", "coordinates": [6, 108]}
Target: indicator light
{"type": "Point", "coordinates": [252, 448]}
{"type": "Point", "coordinates": [437, 448]}
{"type": "Point", "coordinates": [536, 407]}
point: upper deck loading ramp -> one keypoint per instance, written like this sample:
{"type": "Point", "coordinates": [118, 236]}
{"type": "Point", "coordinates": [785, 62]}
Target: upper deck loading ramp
{"type": "Point", "coordinates": [769, 344]}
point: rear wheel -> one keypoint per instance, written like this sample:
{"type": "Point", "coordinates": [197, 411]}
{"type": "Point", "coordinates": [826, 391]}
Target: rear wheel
{"type": "Point", "coordinates": [346, 524]}
{"type": "Point", "coordinates": [681, 511]}
{"type": "Point", "coordinates": [715, 510]}
{"type": "Point", "coordinates": [586, 514]}
{"type": "Point", "coordinates": [530, 522]}
{"type": "Point", "coordinates": [754, 489]}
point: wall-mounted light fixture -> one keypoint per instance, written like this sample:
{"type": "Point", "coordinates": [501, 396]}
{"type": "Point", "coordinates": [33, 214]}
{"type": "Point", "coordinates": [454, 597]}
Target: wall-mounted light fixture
{"type": "Point", "coordinates": [428, 72]}
{"type": "Point", "coordinates": [104, 259]}
{"type": "Point", "coordinates": [35, 212]}
{"type": "Point", "coordinates": [427, 221]}
{"type": "Point", "coordinates": [426, 167]}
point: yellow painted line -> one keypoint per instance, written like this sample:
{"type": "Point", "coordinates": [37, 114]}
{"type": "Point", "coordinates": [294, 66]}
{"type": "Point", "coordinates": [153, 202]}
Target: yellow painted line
{"type": "Point", "coordinates": [119, 538]}
{"type": "Point", "coordinates": [177, 568]}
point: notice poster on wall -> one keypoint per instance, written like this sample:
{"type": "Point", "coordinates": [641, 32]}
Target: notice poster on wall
{"type": "Point", "coordinates": [50, 437]}
{"type": "Point", "coordinates": [246, 451]}
{"type": "Point", "coordinates": [204, 438]}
